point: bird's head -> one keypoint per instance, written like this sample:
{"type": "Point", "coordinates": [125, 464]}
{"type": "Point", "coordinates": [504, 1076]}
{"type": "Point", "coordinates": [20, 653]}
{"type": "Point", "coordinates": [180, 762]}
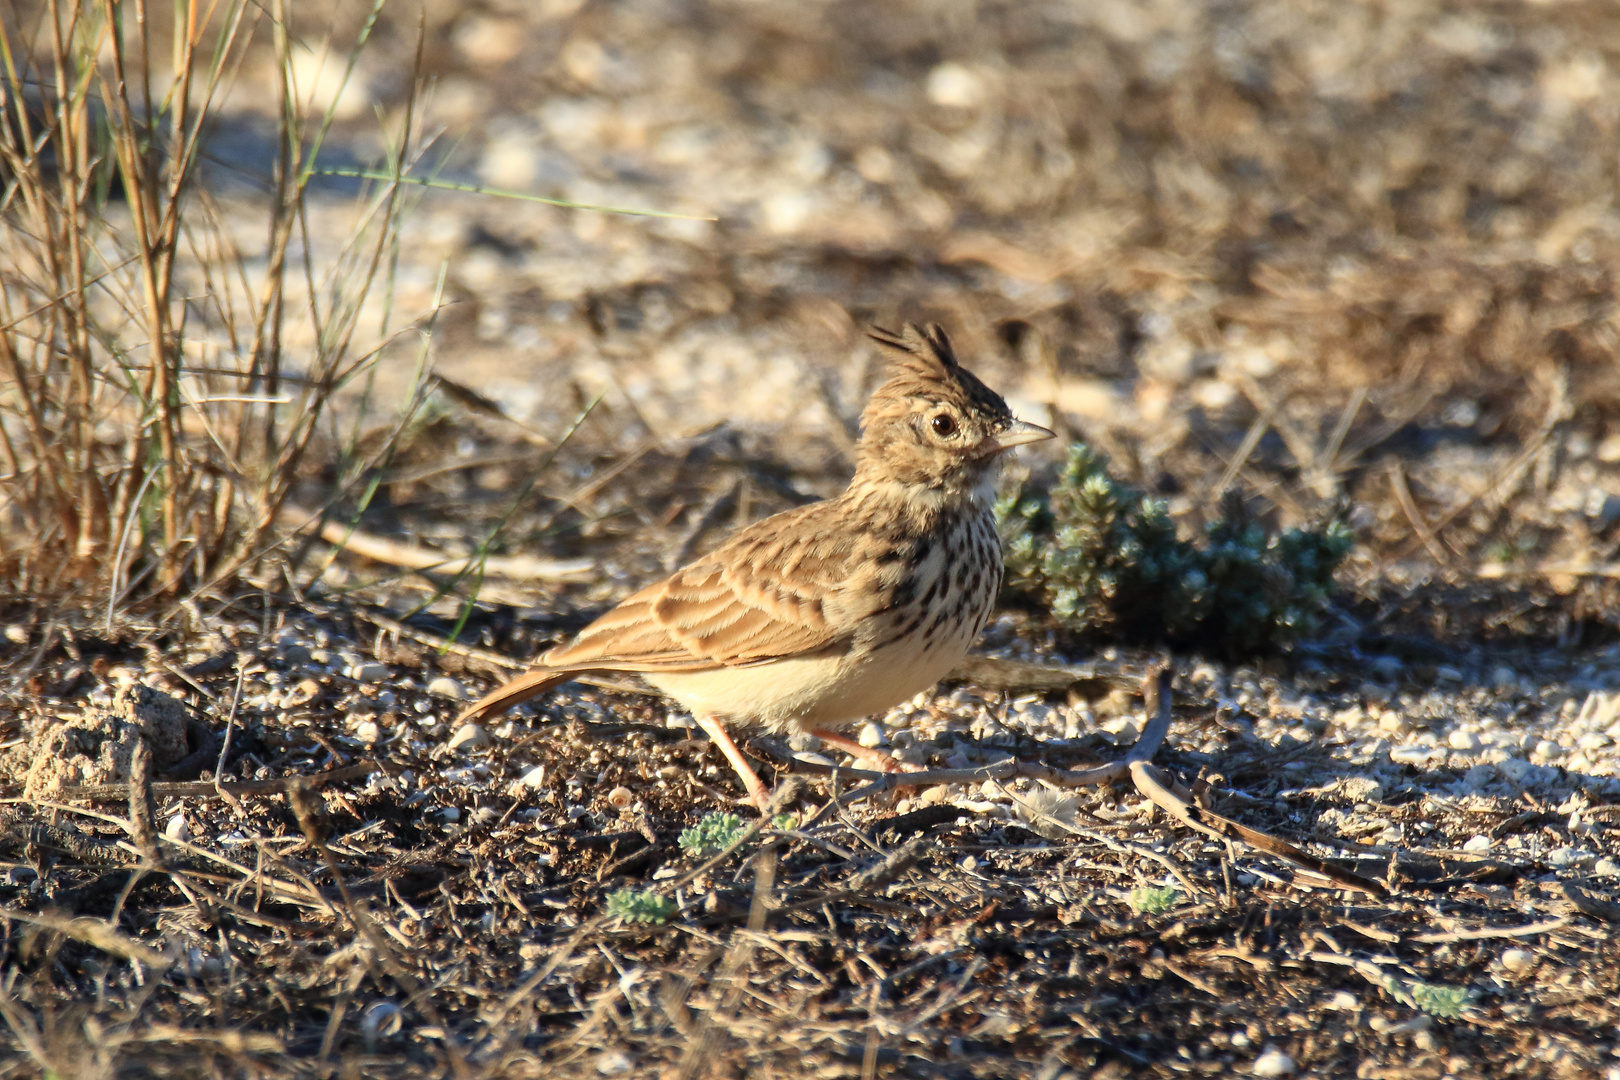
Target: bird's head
{"type": "Point", "coordinates": [933, 424]}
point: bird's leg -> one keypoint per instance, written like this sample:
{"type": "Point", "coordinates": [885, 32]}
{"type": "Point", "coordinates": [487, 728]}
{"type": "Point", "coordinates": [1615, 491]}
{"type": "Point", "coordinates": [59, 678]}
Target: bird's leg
{"type": "Point", "coordinates": [756, 787]}
{"type": "Point", "coordinates": [871, 755]}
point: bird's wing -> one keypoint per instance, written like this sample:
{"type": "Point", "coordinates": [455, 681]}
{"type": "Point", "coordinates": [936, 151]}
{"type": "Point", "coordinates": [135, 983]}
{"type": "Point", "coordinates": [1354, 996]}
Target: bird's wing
{"type": "Point", "coordinates": [782, 587]}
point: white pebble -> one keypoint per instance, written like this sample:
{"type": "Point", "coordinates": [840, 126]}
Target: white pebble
{"type": "Point", "coordinates": [1565, 857]}
{"type": "Point", "coordinates": [177, 828]}
{"type": "Point", "coordinates": [534, 777]}
{"type": "Point", "coordinates": [367, 731]}
{"type": "Point", "coordinates": [871, 735]}
{"type": "Point", "coordinates": [1449, 674]}
{"type": "Point", "coordinates": [1518, 961]}
{"type": "Point", "coordinates": [1273, 1063]}
{"type": "Point", "coordinates": [470, 735]}
{"type": "Point", "coordinates": [613, 1063]}
{"type": "Point", "coordinates": [1606, 867]}
{"type": "Point", "coordinates": [1514, 769]}
{"type": "Point", "coordinates": [953, 85]}
{"type": "Point", "coordinates": [446, 687]}
{"type": "Point", "coordinates": [368, 672]}
{"type": "Point", "coordinates": [450, 814]}
{"type": "Point", "coordinates": [1343, 1001]}
{"type": "Point", "coordinates": [1362, 789]}
{"type": "Point", "coordinates": [1505, 678]}
{"type": "Point", "coordinates": [1464, 740]}
{"type": "Point", "coordinates": [1478, 843]}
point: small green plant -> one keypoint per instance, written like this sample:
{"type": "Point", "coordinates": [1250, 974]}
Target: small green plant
{"type": "Point", "coordinates": [784, 822]}
{"type": "Point", "coordinates": [1154, 900]}
{"type": "Point", "coordinates": [1105, 560]}
{"type": "Point", "coordinates": [712, 835]}
{"type": "Point", "coordinates": [640, 907]}
{"type": "Point", "coordinates": [1446, 1002]}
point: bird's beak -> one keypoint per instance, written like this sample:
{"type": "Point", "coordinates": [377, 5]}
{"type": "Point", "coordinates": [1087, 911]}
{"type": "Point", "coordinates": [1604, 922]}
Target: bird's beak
{"type": "Point", "coordinates": [1018, 433]}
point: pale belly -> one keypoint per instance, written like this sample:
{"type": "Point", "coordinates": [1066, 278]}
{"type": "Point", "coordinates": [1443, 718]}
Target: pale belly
{"type": "Point", "coordinates": [813, 692]}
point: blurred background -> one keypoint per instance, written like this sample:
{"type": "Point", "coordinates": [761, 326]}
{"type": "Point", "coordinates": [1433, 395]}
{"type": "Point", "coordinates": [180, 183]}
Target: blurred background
{"type": "Point", "coordinates": [1323, 253]}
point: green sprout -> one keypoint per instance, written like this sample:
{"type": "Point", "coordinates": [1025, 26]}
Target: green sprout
{"type": "Point", "coordinates": [785, 822]}
{"type": "Point", "coordinates": [1105, 560]}
{"type": "Point", "coordinates": [1446, 1002]}
{"type": "Point", "coordinates": [1151, 900]}
{"type": "Point", "coordinates": [640, 907]}
{"type": "Point", "coordinates": [712, 835]}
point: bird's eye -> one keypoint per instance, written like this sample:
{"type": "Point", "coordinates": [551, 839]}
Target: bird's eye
{"type": "Point", "coordinates": [944, 425]}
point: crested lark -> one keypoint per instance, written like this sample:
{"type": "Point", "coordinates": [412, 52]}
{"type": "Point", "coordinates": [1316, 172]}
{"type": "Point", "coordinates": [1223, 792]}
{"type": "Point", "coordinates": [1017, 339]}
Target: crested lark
{"type": "Point", "coordinates": [819, 616]}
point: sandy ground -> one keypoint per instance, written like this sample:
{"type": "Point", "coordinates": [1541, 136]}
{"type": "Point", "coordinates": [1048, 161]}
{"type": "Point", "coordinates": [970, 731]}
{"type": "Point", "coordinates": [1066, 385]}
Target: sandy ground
{"type": "Point", "coordinates": [1325, 254]}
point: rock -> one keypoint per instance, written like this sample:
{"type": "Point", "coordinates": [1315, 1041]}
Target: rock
{"type": "Point", "coordinates": [446, 687]}
{"type": "Point", "coordinates": [1273, 1063]}
{"type": "Point", "coordinates": [1362, 789]}
{"type": "Point", "coordinates": [1478, 843]}
{"type": "Point", "coordinates": [1464, 740]}
{"type": "Point", "coordinates": [534, 777]}
{"type": "Point", "coordinates": [871, 735]}
{"type": "Point", "coordinates": [1565, 857]}
{"type": "Point", "coordinates": [367, 731]}
{"type": "Point", "coordinates": [177, 828]}
{"type": "Point", "coordinates": [470, 736]}
{"type": "Point", "coordinates": [95, 746]}
{"type": "Point", "coordinates": [368, 671]}
{"type": "Point", "coordinates": [1518, 961]}
{"type": "Point", "coordinates": [955, 86]}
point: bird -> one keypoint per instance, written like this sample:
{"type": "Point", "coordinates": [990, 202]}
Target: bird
{"type": "Point", "coordinates": [819, 616]}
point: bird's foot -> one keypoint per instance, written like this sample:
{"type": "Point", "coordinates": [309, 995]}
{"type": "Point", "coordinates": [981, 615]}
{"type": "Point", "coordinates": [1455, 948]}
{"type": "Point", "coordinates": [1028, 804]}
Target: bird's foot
{"type": "Point", "coordinates": [869, 756]}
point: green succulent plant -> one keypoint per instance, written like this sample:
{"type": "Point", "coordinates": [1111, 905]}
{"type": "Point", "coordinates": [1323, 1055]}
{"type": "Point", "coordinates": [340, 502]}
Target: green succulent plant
{"type": "Point", "coordinates": [711, 835]}
{"type": "Point", "coordinates": [640, 907]}
{"type": "Point", "coordinates": [1105, 560]}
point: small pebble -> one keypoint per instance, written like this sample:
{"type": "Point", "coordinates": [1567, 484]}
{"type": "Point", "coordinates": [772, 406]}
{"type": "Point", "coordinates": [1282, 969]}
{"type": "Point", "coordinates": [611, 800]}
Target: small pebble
{"type": "Point", "coordinates": [1273, 1063]}
{"type": "Point", "coordinates": [367, 731]}
{"type": "Point", "coordinates": [1606, 867]}
{"type": "Point", "coordinates": [1343, 1001]}
{"type": "Point", "coordinates": [1448, 674]}
{"type": "Point", "coordinates": [368, 671]}
{"type": "Point", "coordinates": [1464, 740]}
{"type": "Point", "coordinates": [177, 828]}
{"type": "Point", "coordinates": [1362, 789]}
{"type": "Point", "coordinates": [620, 797]}
{"type": "Point", "coordinates": [1518, 961]}
{"type": "Point", "coordinates": [534, 777]}
{"type": "Point", "coordinates": [450, 814]}
{"type": "Point", "coordinates": [1565, 857]}
{"type": "Point", "coordinates": [446, 687]}
{"type": "Point", "coordinates": [17, 635]}
{"type": "Point", "coordinates": [1478, 843]}
{"type": "Point", "coordinates": [469, 735]}
{"type": "Point", "coordinates": [613, 1063]}
{"type": "Point", "coordinates": [871, 735]}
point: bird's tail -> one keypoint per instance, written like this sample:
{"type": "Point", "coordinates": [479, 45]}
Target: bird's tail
{"type": "Point", "coordinates": [516, 692]}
